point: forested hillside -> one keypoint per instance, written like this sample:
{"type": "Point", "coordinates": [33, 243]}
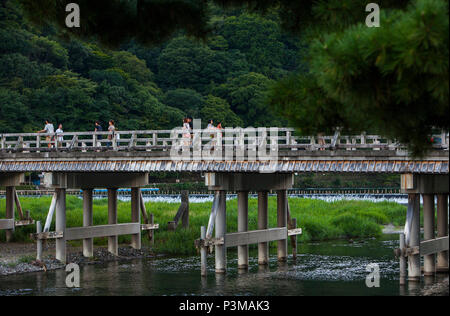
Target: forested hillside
{"type": "Point", "coordinates": [225, 78]}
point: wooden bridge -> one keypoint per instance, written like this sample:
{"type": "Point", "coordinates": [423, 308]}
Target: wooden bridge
{"type": "Point", "coordinates": [231, 150]}
{"type": "Point", "coordinates": [232, 160]}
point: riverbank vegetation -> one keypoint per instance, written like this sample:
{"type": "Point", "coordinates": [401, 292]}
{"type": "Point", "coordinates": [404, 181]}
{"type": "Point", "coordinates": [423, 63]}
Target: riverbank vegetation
{"type": "Point", "coordinates": [320, 220]}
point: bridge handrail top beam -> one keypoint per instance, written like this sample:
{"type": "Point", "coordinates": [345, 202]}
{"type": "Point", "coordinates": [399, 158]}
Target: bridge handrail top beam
{"type": "Point", "coordinates": [178, 129]}
{"type": "Point", "coordinates": [283, 129]}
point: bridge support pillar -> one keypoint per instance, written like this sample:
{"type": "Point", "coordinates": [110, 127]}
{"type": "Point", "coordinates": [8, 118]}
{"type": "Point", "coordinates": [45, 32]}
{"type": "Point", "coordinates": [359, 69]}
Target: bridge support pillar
{"type": "Point", "coordinates": [263, 223]}
{"type": "Point", "coordinates": [428, 186]}
{"type": "Point", "coordinates": [428, 232]}
{"type": "Point", "coordinates": [88, 243]}
{"type": "Point", "coordinates": [442, 231]}
{"type": "Point", "coordinates": [136, 216]}
{"type": "Point", "coordinates": [242, 227]}
{"type": "Point", "coordinates": [61, 224]}
{"type": "Point", "coordinates": [10, 195]}
{"type": "Point", "coordinates": [282, 222]}
{"type": "Point", "coordinates": [221, 230]}
{"type": "Point", "coordinates": [244, 183]}
{"type": "Point", "coordinates": [113, 242]}
{"type": "Point", "coordinates": [413, 240]}
{"type": "Point", "coordinates": [10, 181]}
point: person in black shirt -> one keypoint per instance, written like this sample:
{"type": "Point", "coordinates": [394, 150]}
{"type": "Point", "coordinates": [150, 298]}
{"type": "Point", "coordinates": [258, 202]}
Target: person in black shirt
{"type": "Point", "coordinates": [98, 128]}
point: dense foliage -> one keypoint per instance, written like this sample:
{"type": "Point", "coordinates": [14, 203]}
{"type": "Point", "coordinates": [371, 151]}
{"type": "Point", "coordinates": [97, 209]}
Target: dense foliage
{"type": "Point", "coordinates": [391, 80]}
{"type": "Point", "coordinates": [78, 80]}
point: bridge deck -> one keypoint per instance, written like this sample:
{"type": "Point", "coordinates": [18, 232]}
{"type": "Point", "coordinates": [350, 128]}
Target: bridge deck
{"type": "Point", "coordinates": [267, 150]}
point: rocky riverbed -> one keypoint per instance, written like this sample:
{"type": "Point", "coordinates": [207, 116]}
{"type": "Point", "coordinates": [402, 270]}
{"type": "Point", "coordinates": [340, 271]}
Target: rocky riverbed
{"type": "Point", "coordinates": [18, 258]}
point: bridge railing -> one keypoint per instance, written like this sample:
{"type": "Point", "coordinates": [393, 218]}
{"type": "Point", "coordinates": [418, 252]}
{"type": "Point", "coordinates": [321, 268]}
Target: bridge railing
{"type": "Point", "coordinates": [284, 139]}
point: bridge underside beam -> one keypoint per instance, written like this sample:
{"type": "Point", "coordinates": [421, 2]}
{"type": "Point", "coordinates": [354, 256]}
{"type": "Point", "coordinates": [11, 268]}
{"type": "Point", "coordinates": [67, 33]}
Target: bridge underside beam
{"type": "Point", "coordinates": [96, 180]}
{"type": "Point", "coordinates": [139, 162]}
{"type": "Point", "coordinates": [11, 179]}
{"type": "Point", "coordinates": [248, 181]}
{"type": "Point", "coordinates": [424, 184]}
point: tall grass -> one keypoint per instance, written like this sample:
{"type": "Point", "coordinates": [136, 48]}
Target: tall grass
{"type": "Point", "coordinates": [319, 220]}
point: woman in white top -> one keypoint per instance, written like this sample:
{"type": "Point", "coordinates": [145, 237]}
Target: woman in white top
{"type": "Point", "coordinates": [111, 130]}
{"type": "Point", "coordinates": [186, 132]}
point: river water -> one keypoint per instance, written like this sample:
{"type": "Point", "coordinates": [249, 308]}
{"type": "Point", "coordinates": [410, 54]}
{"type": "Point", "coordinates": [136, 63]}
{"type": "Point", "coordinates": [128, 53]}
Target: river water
{"type": "Point", "coordinates": [325, 268]}
{"type": "Point", "coordinates": [322, 268]}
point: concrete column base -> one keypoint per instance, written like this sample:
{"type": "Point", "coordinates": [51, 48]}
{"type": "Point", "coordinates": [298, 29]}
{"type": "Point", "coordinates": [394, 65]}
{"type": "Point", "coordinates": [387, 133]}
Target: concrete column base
{"type": "Point", "coordinates": [263, 223]}
{"type": "Point", "coordinates": [243, 227]}
{"type": "Point", "coordinates": [10, 197]}
{"type": "Point", "coordinates": [282, 252]}
{"type": "Point", "coordinates": [113, 244]}
{"type": "Point", "coordinates": [136, 216]}
{"type": "Point", "coordinates": [221, 230]}
{"type": "Point", "coordinates": [88, 243]}
{"type": "Point", "coordinates": [61, 224]}
{"type": "Point", "coordinates": [414, 279]}
{"type": "Point", "coordinates": [441, 269]}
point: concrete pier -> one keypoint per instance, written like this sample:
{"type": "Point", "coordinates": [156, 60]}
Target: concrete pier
{"type": "Point", "coordinates": [402, 266]}
{"type": "Point", "coordinates": [61, 224]}
{"type": "Point", "coordinates": [413, 240]}
{"type": "Point", "coordinates": [263, 223]}
{"type": "Point", "coordinates": [203, 253]}
{"type": "Point", "coordinates": [428, 232]}
{"type": "Point", "coordinates": [428, 186]}
{"type": "Point", "coordinates": [242, 184]}
{"type": "Point", "coordinates": [113, 243]}
{"type": "Point", "coordinates": [282, 222]}
{"type": "Point", "coordinates": [136, 216]}
{"type": "Point", "coordinates": [88, 243]}
{"type": "Point", "coordinates": [242, 197]}
{"type": "Point", "coordinates": [39, 242]}
{"type": "Point", "coordinates": [221, 230]}
{"type": "Point", "coordinates": [442, 231]}
{"type": "Point", "coordinates": [10, 196]}
{"type": "Point", "coordinates": [294, 240]}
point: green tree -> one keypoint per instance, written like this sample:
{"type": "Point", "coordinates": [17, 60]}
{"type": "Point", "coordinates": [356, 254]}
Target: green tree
{"type": "Point", "coordinates": [392, 80]}
{"type": "Point", "coordinates": [187, 100]}
{"type": "Point", "coordinates": [133, 66]}
{"type": "Point", "coordinates": [219, 111]}
{"type": "Point", "coordinates": [13, 111]}
{"type": "Point", "coordinates": [192, 65]}
{"type": "Point", "coordinates": [258, 38]}
{"type": "Point", "coordinates": [247, 95]}
{"type": "Point", "coordinates": [48, 51]}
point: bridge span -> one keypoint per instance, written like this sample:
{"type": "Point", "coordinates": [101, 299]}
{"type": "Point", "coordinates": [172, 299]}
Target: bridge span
{"type": "Point", "coordinates": [237, 160]}
{"type": "Point", "coordinates": [270, 150]}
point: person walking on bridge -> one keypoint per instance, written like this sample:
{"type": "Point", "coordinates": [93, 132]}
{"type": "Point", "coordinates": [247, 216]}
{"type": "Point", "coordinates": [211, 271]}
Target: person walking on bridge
{"type": "Point", "coordinates": [59, 137]}
{"type": "Point", "coordinates": [98, 128]}
{"type": "Point", "coordinates": [186, 132]}
{"type": "Point", "coordinates": [112, 132]}
{"type": "Point", "coordinates": [48, 129]}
